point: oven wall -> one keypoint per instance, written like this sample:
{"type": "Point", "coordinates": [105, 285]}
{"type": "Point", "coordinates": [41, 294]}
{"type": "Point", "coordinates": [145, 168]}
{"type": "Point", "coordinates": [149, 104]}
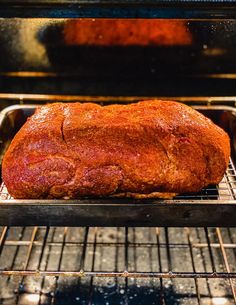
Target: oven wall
{"type": "Point", "coordinates": [53, 56]}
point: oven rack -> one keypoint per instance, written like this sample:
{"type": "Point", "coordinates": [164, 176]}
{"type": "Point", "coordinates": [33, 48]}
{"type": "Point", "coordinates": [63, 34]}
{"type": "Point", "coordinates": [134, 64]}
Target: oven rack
{"type": "Point", "coordinates": [43, 262]}
{"type": "Point", "coordinates": [7, 99]}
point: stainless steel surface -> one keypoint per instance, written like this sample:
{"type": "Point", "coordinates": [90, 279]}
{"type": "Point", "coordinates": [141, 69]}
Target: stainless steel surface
{"type": "Point", "coordinates": [117, 266]}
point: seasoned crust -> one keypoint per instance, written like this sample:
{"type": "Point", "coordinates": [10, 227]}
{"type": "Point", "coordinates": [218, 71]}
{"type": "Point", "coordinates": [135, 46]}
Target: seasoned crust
{"type": "Point", "coordinates": [74, 150]}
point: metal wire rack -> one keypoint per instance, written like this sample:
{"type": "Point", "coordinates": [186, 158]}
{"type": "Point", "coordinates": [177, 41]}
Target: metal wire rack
{"type": "Point", "coordinates": [100, 265]}
{"type": "Point", "coordinates": [225, 190]}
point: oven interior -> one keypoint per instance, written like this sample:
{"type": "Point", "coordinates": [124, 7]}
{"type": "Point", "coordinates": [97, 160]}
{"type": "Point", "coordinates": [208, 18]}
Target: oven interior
{"type": "Point", "coordinates": [53, 260]}
{"type": "Point", "coordinates": [124, 264]}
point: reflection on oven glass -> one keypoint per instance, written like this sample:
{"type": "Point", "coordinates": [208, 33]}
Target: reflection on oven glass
{"type": "Point", "coordinates": [125, 48]}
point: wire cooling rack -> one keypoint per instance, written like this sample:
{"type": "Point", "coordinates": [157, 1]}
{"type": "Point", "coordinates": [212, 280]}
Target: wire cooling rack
{"type": "Point", "coordinates": [213, 206]}
{"type": "Point", "coordinates": [225, 190]}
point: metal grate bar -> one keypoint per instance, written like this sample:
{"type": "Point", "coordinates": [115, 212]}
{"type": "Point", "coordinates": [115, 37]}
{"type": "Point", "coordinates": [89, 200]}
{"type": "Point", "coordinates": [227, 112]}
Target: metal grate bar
{"type": "Point", "coordinates": [85, 243]}
{"type": "Point", "coordinates": [193, 264]}
{"type": "Point", "coordinates": [168, 249]}
{"type": "Point", "coordinates": [210, 250]}
{"type": "Point", "coordinates": [39, 264]}
{"type": "Point", "coordinates": [124, 274]}
{"type": "Point", "coordinates": [204, 260]}
{"type": "Point", "coordinates": [19, 243]}
{"type": "Point", "coordinates": [35, 230]}
{"type": "Point", "coordinates": [219, 235]}
{"type": "Point", "coordinates": [169, 261]}
{"type": "Point", "coordinates": [3, 238]}
{"type": "Point", "coordinates": [83, 255]}
{"type": "Point", "coordinates": [30, 247]}
{"type": "Point", "coordinates": [135, 248]}
{"type": "Point", "coordinates": [60, 262]}
{"type": "Point", "coordinates": [91, 286]}
{"type": "Point", "coordinates": [47, 261]}
{"type": "Point", "coordinates": [162, 296]}
{"type": "Point", "coordinates": [17, 249]}
{"type": "Point", "coordinates": [231, 239]}
{"type": "Point", "coordinates": [126, 264]}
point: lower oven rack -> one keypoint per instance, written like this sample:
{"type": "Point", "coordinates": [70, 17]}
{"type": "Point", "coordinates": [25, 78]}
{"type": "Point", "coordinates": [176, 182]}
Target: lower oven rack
{"type": "Point", "coordinates": [49, 265]}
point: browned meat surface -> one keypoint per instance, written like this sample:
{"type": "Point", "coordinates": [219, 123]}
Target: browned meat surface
{"type": "Point", "coordinates": [73, 150]}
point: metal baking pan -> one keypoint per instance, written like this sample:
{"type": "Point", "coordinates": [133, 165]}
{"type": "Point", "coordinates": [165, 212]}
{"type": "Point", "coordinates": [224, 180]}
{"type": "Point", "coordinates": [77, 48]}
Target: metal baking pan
{"type": "Point", "coordinates": [213, 206]}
